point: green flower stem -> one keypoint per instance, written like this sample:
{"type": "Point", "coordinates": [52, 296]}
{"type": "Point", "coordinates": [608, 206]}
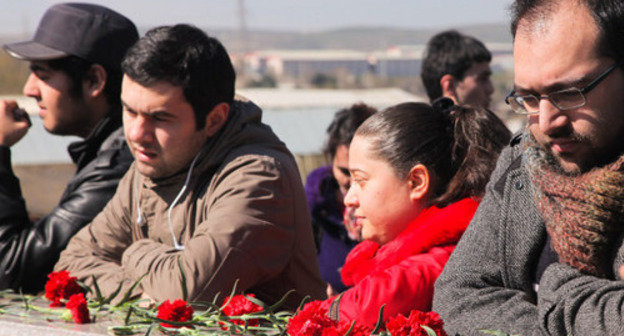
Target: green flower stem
{"type": "Point", "coordinates": [51, 311]}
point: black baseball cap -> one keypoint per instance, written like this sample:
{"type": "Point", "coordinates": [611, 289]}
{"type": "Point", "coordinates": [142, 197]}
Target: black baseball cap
{"type": "Point", "coordinates": [92, 32]}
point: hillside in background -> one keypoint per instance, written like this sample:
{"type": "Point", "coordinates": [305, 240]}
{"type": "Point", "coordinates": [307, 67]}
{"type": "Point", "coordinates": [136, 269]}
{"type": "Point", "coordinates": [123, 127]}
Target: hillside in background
{"type": "Point", "coordinates": [358, 38]}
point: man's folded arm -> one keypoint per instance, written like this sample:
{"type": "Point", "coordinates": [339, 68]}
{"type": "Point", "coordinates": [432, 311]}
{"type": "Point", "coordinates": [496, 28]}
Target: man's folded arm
{"type": "Point", "coordinates": [95, 251]}
{"type": "Point", "coordinates": [248, 234]}
{"type": "Point", "coordinates": [571, 303]}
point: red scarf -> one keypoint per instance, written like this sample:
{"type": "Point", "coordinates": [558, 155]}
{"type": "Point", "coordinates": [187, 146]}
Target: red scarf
{"type": "Point", "coordinates": [433, 227]}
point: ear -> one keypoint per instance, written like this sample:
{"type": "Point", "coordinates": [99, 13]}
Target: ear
{"type": "Point", "coordinates": [216, 118]}
{"type": "Point", "coordinates": [95, 81]}
{"type": "Point", "coordinates": [419, 182]}
{"type": "Point", "coordinates": [448, 83]}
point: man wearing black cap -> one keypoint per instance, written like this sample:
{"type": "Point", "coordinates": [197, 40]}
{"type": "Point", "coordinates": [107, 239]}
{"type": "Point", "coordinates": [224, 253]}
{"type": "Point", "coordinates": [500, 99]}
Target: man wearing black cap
{"type": "Point", "coordinates": [75, 59]}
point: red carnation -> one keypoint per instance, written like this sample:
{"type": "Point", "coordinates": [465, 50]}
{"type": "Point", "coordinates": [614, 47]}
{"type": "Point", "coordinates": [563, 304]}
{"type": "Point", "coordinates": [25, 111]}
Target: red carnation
{"type": "Point", "coordinates": [177, 311]}
{"type": "Point", "coordinates": [77, 305]}
{"type": "Point", "coordinates": [240, 305]}
{"type": "Point", "coordinates": [412, 326]}
{"type": "Point", "coordinates": [342, 328]}
{"type": "Point", "coordinates": [61, 286]}
{"type": "Point", "coordinates": [313, 320]}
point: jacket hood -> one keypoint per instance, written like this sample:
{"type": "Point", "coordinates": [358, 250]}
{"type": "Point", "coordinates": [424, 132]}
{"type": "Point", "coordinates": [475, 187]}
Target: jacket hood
{"type": "Point", "coordinates": [433, 227]}
{"type": "Point", "coordinates": [243, 127]}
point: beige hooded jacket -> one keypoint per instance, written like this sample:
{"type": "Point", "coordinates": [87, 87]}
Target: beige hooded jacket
{"type": "Point", "coordinates": [244, 216]}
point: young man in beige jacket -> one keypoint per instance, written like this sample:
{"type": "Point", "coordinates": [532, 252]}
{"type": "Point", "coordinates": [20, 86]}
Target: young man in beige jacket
{"type": "Point", "coordinates": [212, 189]}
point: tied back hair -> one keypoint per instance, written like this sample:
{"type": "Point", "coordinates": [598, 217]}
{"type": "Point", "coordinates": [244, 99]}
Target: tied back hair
{"type": "Point", "coordinates": [479, 137]}
{"type": "Point", "coordinates": [458, 145]}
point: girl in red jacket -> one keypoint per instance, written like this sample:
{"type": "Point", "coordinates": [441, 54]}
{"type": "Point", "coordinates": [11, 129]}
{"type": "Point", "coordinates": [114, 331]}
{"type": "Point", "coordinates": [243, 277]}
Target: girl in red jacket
{"type": "Point", "coordinates": [417, 174]}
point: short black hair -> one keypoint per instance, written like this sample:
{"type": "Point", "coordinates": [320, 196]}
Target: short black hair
{"type": "Point", "coordinates": [342, 128]}
{"type": "Point", "coordinates": [183, 55]}
{"type": "Point", "coordinates": [450, 53]}
{"type": "Point", "coordinates": [608, 16]}
{"type": "Point", "coordinates": [77, 69]}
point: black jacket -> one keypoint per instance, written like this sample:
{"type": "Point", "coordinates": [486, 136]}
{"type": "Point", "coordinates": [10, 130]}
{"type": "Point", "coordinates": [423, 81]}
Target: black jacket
{"type": "Point", "coordinates": [28, 250]}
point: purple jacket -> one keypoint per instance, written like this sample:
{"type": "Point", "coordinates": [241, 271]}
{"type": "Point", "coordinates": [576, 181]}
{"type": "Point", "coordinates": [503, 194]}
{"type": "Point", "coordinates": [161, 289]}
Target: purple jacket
{"type": "Point", "coordinates": [332, 240]}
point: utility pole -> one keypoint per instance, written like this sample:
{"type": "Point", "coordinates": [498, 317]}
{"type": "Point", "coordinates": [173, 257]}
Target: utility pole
{"type": "Point", "coordinates": [242, 37]}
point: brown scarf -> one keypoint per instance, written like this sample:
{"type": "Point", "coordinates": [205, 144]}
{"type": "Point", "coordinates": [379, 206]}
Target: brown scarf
{"type": "Point", "coordinates": [583, 213]}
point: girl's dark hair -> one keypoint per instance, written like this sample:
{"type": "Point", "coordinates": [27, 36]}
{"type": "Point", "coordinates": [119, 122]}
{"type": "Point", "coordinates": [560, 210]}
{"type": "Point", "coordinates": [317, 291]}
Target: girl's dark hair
{"type": "Point", "coordinates": [343, 127]}
{"type": "Point", "coordinates": [458, 145]}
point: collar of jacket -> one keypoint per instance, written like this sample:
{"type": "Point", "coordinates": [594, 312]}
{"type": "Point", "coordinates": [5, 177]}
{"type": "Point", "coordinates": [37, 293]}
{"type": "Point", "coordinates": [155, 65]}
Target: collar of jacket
{"type": "Point", "coordinates": [82, 152]}
{"type": "Point", "coordinates": [433, 227]}
{"type": "Point", "coordinates": [321, 192]}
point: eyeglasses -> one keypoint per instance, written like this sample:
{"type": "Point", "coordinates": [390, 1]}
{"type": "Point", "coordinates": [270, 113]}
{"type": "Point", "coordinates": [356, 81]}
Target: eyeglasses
{"type": "Point", "coordinates": [566, 99]}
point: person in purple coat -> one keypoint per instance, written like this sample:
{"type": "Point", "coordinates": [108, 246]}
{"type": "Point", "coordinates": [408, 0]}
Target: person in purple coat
{"type": "Point", "coordinates": [325, 189]}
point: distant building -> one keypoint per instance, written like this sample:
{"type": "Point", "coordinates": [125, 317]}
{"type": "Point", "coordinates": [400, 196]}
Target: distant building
{"type": "Point", "coordinates": [305, 63]}
{"type": "Point", "coordinates": [393, 62]}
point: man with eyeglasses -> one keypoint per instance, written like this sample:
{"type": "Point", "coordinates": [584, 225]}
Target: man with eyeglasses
{"type": "Point", "coordinates": [542, 254]}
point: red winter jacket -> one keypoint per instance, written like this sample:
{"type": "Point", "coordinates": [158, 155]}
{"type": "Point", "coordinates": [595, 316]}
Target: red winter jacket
{"type": "Point", "coordinates": [401, 273]}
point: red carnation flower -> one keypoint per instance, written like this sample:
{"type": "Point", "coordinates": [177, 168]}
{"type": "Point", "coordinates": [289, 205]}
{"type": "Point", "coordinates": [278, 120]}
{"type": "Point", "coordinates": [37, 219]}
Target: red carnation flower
{"type": "Point", "coordinates": [412, 326]}
{"type": "Point", "coordinates": [240, 305]}
{"type": "Point", "coordinates": [176, 311]}
{"type": "Point", "coordinates": [313, 320]}
{"type": "Point", "coordinates": [342, 328]}
{"type": "Point", "coordinates": [61, 286]}
{"type": "Point", "coordinates": [77, 305]}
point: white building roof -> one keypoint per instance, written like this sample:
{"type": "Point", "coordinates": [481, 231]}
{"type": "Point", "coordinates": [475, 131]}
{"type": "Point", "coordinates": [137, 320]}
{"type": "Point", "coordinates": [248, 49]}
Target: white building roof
{"type": "Point", "coordinates": [285, 98]}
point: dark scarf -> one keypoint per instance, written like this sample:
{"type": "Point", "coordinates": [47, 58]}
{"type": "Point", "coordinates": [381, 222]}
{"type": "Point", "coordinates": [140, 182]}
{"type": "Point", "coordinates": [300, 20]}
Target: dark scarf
{"type": "Point", "coordinates": [583, 213]}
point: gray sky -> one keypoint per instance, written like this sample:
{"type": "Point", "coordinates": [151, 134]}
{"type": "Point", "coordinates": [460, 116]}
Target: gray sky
{"type": "Point", "coordinates": [20, 16]}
